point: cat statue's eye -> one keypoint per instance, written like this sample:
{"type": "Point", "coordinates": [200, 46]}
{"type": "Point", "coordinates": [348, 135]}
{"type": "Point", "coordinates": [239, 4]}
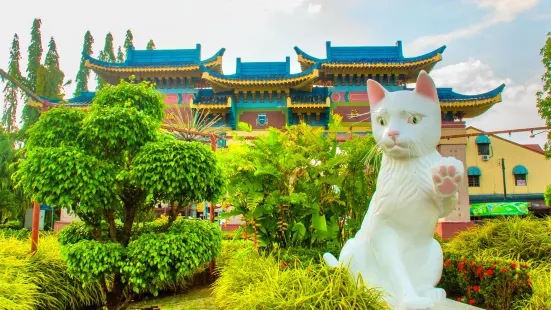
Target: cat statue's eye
{"type": "Point", "coordinates": [382, 121]}
{"type": "Point", "coordinates": [414, 119]}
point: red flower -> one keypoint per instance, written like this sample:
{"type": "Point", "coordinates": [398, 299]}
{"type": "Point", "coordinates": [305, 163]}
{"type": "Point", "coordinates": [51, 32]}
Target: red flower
{"type": "Point", "coordinates": [471, 302]}
{"type": "Point", "coordinates": [493, 267]}
{"type": "Point", "coordinates": [459, 299]}
{"type": "Point", "coordinates": [513, 266]}
{"type": "Point", "coordinates": [476, 288]}
{"type": "Point", "coordinates": [479, 271]}
{"type": "Point", "coordinates": [490, 272]}
{"type": "Point", "coordinates": [503, 269]}
{"type": "Point", "coordinates": [297, 261]}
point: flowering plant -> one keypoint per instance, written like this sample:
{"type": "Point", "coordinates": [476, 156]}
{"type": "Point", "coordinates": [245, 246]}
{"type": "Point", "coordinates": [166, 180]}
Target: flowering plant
{"type": "Point", "coordinates": [488, 282]}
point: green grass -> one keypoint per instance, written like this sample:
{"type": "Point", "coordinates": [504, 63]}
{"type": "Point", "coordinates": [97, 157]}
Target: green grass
{"type": "Point", "coordinates": [195, 299]}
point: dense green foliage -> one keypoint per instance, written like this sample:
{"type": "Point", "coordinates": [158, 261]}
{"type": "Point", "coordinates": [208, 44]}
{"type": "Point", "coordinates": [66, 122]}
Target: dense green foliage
{"type": "Point", "coordinates": [251, 281]}
{"type": "Point", "coordinates": [52, 86]}
{"type": "Point", "coordinates": [12, 94]}
{"type": "Point", "coordinates": [286, 185]}
{"type": "Point", "coordinates": [150, 45]}
{"type": "Point", "coordinates": [35, 54]}
{"type": "Point", "coordinates": [120, 55]}
{"type": "Point", "coordinates": [547, 195]}
{"type": "Point", "coordinates": [544, 96]}
{"type": "Point", "coordinates": [83, 72]}
{"type": "Point", "coordinates": [40, 281]}
{"type": "Point", "coordinates": [12, 201]}
{"type": "Point", "coordinates": [94, 162]}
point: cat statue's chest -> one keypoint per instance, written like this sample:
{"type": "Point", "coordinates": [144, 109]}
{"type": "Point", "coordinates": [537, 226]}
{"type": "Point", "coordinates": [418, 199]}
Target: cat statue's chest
{"type": "Point", "coordinates": [405, 189]}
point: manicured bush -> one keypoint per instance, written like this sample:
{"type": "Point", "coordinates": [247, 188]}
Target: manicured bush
{"type": "Point", "coordinates": [41, 281]}
{"type": "Point", "coordinates": [154, 260]}
{"type": "Point", "coordinates": [252, 281]}
{"type": "Point", "coordinates": [516, 238]}
{"type": "Point", "coordinates": [484, 281]}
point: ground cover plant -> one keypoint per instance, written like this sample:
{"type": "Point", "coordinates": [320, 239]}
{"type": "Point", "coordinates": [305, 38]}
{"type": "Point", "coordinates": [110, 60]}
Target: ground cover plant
{"type": "Point", "coordinates": [41, 281]}
{"type": "Point", "coordinates": [111, 163]}
{"type": "Point", "coordinates": [253, 281]}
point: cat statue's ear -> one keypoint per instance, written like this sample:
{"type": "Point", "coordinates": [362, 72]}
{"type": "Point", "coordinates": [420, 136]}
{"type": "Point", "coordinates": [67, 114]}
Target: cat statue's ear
{"type": "Point", "coordinates": [375, 92]}
{"type": "Point", "coordinates": [425, 86]}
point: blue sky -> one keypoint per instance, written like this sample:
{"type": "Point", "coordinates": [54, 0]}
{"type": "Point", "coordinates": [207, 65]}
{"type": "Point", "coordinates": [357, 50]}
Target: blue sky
{"type": "Point", "coordinates": [488, 41]}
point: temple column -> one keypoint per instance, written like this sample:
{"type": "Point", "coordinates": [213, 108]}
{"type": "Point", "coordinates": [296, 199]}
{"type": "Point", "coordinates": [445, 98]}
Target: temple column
{"type": "Point", "coordinates": [459, 219]}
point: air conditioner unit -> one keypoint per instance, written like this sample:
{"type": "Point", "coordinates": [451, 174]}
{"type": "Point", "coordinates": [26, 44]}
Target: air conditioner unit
{"type": "Point", "coordinates": [485, 157]}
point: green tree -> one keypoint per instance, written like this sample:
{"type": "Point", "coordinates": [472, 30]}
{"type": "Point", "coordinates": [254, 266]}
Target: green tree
{"type": "Point", "coordinates": [83, 72]}
{"type": "Point", "coordinates": [547, 195]}
{"type": "Point", "coordinates": [13, 201]}
{"type": "Point", "coordinates": [150, 45]}
{"type": "Point", "coordinates": [53, 75]}
{"type": "Point", "coordinates": [111, 164]}
{"type": "Point", "coordinates": [109, 49]}
{"type": "Point", "coordinates": [120, 55]}
{"type": "Point", "coordinates": [30, 114]}
{"type": "Point", "coordinates": [100, 83]}
{"type": "Point", "coordinates": [544, 96]}
{"type": "Point", "coordinates": [35, 54]}
{"type": "Point", "coordinates": [129, 40]}
{"type": "Point", "coordinates": [11, 91]}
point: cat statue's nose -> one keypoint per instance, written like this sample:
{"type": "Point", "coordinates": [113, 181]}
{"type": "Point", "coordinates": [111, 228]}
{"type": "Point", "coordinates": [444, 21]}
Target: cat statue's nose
{"type": "Point", "coordinates": [392, 134]}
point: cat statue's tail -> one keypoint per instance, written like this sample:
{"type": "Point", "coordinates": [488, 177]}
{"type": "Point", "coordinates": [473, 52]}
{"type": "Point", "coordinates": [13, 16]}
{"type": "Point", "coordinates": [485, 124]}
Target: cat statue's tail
{"type": "Point", "coordinates": [330, 260]}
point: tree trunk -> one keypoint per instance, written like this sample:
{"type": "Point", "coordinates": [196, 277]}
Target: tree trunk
{"type": "Point", "coordinates": [115, 296]}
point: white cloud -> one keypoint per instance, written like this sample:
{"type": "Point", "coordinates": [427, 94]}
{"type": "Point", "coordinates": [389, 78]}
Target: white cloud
{"type": "Point", "coordinates": [500, 11]}
{"type": "Point", "coordinates": [518, 106]}
{"type": "Point", "coordinates": [314, 8]}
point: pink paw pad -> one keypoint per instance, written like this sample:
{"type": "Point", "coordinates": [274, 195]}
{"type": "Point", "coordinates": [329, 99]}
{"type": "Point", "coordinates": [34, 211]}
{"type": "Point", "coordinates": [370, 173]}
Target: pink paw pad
{"type": "Point", "coordinates": [447, 179]}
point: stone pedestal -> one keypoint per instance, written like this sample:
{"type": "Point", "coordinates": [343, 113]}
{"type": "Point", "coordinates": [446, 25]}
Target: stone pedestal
{"type": "Point", "coordinates": [460, 218]}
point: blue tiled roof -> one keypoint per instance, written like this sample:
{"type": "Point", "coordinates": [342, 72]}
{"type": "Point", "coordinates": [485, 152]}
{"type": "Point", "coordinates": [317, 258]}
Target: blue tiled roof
{"type": "Point", "coordinates": [367, 54]}
{"type": "Point", "coordinates": [84, 99]}
{"type": "Point", "coordinates": [448, 95]}
{"type": "Point", "coordinates": [159, 58]}
{"type": "Point", "coordinates": [261, 71]}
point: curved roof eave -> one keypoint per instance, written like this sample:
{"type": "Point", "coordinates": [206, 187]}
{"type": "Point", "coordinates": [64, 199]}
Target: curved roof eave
{"type": "Point", "coordinates": [307, 56]}
{"type": "Point", "coordinates": [220, 53]}
{"type": "Point", "coordinates": [447, 94]}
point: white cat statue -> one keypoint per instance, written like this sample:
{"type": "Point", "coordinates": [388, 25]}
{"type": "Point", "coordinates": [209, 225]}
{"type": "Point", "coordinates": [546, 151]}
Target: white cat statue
{"type": "Point", "coordinates": [394, 248]}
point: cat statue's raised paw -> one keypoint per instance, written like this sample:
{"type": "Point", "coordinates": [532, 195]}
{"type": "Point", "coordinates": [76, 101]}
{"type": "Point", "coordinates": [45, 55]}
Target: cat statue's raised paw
{"type": "Point", "coordinates": [394, 248]}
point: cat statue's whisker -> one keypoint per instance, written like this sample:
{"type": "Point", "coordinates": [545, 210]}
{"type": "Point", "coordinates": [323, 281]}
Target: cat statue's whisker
{"type": "Point", "coordinates": [394, 248]}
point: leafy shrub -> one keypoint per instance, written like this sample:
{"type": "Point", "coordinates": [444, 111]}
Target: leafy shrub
{"type": "Point", "coordinates": [485, 281]}
{"type": "Point", "coordinates": [14, 224]}
{"type": "Point", "coordinates": [41, 281]}
{"type": "Point", "coordinates": [154, 260]}
{"type": "Point", "coordinates": [516, 238]}
{"type": "Point", "coordinates": [305, 256]}
{"type": "Point", "coordinates": [251, 281]}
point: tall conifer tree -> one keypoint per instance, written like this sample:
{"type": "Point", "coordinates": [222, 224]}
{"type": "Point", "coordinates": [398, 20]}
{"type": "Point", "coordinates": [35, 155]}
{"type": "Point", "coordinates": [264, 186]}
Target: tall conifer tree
{"type": "Point", "coordinates": [12, 92]}
{"type": "Point", "coordinates": [120, 55]}
{"type": "Point", "coordinates": [53, 74]}
{"type": "Point", "coordinates": [84, 73]}
{"type": "Point", "coordinates": [150, 45]}
{"type": "Point", "coordinates": [30, 114]}
{"type": "Point", "coordinates": [100, 83]}
{"type": "Point", "coordinates": [35, 53]}
{"type": "Point", "coordinates": [128, 42]}
{"type": "Point", "coordinates": [109, 49]}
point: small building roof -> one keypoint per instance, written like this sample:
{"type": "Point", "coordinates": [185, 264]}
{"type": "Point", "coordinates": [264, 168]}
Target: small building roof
{"type": "Point", "coordinates": [261, 74]}
{"type": "Point", "coordinates": [359, 57]}
{"type": "Point", "coordinates": [474, 171]}
{"type": "Point", "coordinates": [535, 147]}
{"type": "Point", "coordinates": [520, 169]}
{"type": "Point", "coordinates": [153, 61]}
{"type": "Point", "coordinates": [483, 140]}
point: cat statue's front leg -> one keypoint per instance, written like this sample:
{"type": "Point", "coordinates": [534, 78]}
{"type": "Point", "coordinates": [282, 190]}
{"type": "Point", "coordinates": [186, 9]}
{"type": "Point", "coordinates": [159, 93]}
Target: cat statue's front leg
{"type": "Point", "coordinates": [447, 175]}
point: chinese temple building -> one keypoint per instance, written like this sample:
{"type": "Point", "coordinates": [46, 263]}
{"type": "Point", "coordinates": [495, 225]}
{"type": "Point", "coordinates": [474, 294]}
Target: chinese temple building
{"type": "Point", "coordinates": [267, 94]}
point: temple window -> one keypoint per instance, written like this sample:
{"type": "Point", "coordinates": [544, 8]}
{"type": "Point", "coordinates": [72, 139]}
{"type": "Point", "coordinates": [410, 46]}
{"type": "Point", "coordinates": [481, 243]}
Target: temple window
{"type": "Point", "coordinates": [483, 144]}
{"type": "Point", "coordinates": [473, 174]}
{"type": "Point", "coordinates": [520, 172]}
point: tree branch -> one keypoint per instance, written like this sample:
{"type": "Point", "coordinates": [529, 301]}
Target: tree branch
{"type": "Point", "coordinates": [110, 217]}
